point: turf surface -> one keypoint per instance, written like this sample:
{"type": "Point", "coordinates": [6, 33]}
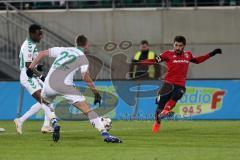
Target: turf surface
{"type": "Point", "coordinates": [177, 140]}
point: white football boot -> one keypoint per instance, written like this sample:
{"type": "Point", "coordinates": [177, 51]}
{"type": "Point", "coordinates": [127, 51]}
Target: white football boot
{"type": "Point", "coordinates": [18, 125]}
{"type": "Point", "coordinates": [46, 129]}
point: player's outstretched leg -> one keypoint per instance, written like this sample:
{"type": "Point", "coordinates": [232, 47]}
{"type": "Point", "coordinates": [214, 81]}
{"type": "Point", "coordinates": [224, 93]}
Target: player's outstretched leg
{"type": "Point", "coordinates": [157, 123]}
{"type": "Point", "coordinates": [19, 121]}
{"type": "Point", "coordinates": [95, 120]}
{"type": "Point", "coordinates": [98, 124]}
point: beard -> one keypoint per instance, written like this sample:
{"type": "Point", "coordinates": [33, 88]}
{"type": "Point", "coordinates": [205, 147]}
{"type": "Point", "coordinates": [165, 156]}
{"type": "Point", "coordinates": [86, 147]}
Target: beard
{"type": "Point", "coordinates": [178, 52]}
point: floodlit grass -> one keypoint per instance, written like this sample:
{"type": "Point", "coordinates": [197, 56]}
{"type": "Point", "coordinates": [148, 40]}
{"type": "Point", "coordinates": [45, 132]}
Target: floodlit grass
{"type": "Point", "coordinates": [177, 140]}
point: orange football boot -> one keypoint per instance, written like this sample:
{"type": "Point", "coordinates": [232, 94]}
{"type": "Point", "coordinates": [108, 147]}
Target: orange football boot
{"type": "Point", "coordinates": [156, 127]}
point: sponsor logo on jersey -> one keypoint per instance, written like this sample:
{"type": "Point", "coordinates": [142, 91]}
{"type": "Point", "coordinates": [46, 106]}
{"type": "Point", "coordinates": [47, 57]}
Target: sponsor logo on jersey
{"type": "Point", "coordinates": [180, 61]}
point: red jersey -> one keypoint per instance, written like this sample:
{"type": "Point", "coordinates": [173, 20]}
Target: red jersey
{"type": "Point", "coordinates": [177, 65]}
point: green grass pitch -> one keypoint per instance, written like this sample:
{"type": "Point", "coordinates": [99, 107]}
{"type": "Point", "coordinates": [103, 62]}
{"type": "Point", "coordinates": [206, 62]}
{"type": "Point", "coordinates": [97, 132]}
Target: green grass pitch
{"type": "Point", "coordinates": [177, 140]}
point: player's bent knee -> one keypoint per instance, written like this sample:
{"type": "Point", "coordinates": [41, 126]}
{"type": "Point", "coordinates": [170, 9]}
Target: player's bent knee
{"type": "Point", "coordinates": [177, 95]}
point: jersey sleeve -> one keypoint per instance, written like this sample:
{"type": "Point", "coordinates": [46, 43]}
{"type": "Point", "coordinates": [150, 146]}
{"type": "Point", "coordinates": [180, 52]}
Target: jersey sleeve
{"type": "Point", "coordinates": [199, 59]}
{"type": "Point", "coordinates": [54, 52]}
{"type": "Point", "coordinates": [190, 55]}
{"type": "Point", "coordinates": [163, 57]}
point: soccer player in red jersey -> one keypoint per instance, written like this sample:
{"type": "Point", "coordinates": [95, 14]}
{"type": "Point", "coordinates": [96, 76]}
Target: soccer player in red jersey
{"type": "Point", "coordinates": [173, 88]}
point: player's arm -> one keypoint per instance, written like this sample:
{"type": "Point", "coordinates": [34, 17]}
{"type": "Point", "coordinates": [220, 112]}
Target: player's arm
{"type": "Point", "coordinates": [203, 58]}
{"type": "Point", "coordinates": [31, 70]}
{"type": "Point", "coordinates": [157, 59]}
{"type": "Point", "coordinates": [90, 84]}
{"type": "Point", "coordinates": [39, 57]}
{"type": "Point", "coordinates": [35, 71]}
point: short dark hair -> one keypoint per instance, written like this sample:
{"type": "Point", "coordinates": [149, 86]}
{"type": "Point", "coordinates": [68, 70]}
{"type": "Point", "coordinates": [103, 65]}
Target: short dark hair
{"type": "Point", "coordinates": [180, 39]}
{"type": "Point", "coordinates": [81, 40]}
{"type": "Point", "coordinates": [33, 28]}
{"type": "Point", "coordinates": [144, 42]}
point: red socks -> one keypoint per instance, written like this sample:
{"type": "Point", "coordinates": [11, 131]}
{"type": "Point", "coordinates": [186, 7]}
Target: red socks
{"type": "Point", "coordinates": [169, 105]}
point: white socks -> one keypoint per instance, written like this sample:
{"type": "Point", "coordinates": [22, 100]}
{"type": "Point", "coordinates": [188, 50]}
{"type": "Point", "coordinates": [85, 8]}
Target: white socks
{"type": "Point", "coordinates": [96, 121]}
{"type": "Point", "coordinates": [33, 110]}
{"type": "Point", "coordinates": [49, 112]}
{"type": "Point", "coordinates": [46, 121]}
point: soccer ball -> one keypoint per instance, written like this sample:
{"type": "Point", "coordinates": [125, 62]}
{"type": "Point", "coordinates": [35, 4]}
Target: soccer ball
{"type": "Point", "coordinates": [107, 122]}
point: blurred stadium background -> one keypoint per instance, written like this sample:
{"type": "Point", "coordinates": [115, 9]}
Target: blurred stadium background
{"type": "Point", "coordinates": [207, 24]}
{"type": "Point", "coordinates": [214, 25]}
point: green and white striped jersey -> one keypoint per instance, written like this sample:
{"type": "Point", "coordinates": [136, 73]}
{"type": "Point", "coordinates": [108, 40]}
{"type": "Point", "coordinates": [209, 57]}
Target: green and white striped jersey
{"type": "Point", "coordinates": [28, 52]}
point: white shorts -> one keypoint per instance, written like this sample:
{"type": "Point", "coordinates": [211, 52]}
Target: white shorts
{"type": "Point", "coordinates": [48, 94]}
{"type": "Point", "coordinates": [31, 84]}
